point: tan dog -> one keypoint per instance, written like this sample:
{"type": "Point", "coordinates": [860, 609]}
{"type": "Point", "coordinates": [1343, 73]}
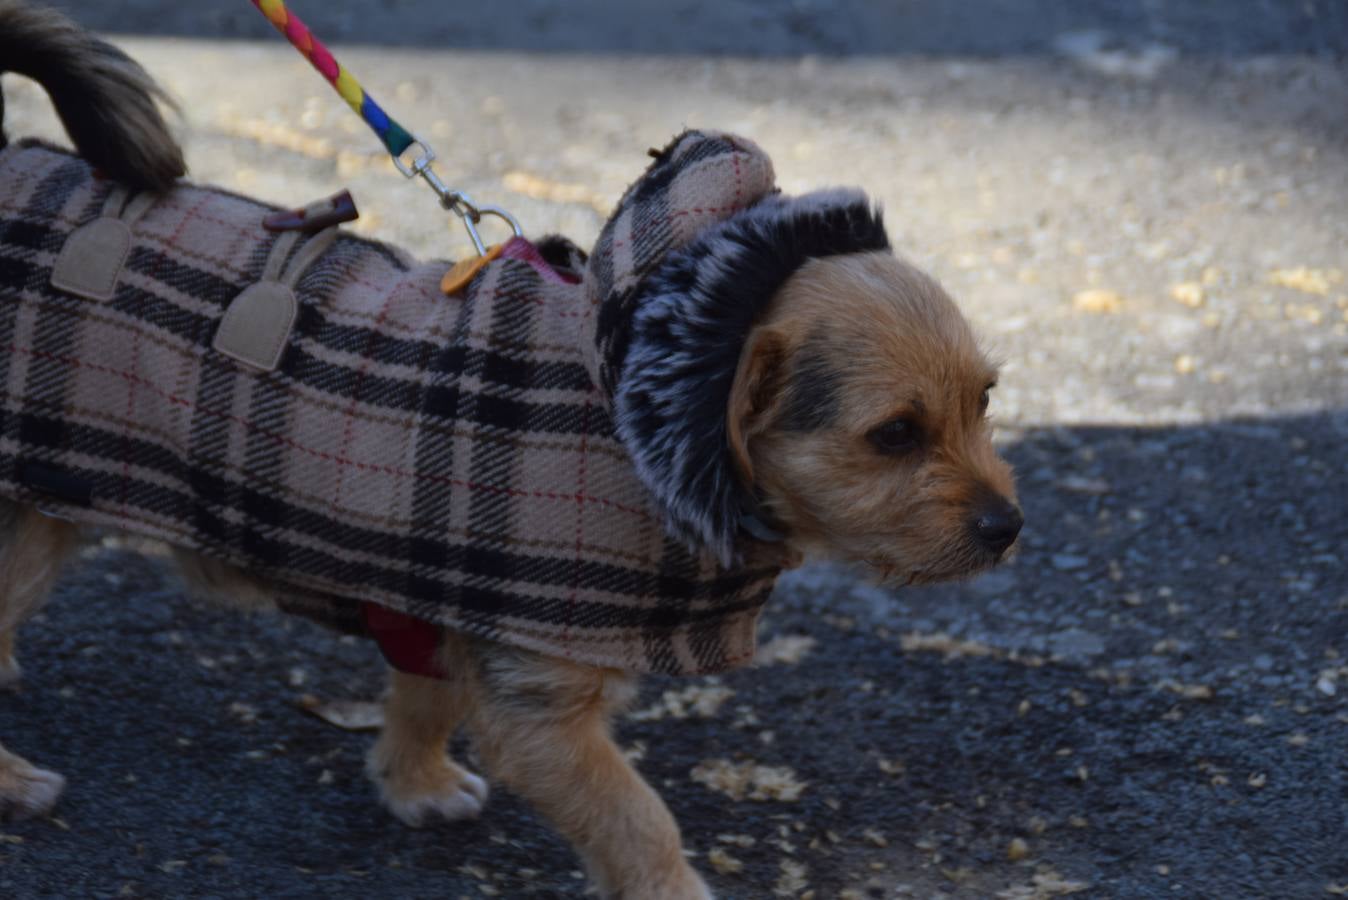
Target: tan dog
{"type": "Point", "coordinates": [857, 418]}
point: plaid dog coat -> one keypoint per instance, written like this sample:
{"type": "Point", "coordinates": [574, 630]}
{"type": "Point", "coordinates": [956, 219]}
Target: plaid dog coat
{"type": "Point", "coordinates": [454, 460]}
{"type": "Point", "coordinates": [447, 457]}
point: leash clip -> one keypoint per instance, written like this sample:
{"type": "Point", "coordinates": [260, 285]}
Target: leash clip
{"type": "Point", "coordinates": [420, 164]}
{"type": "Point", "coordinates": [471, 215]}
{"type": "Point", "coordinates": [452, 200]}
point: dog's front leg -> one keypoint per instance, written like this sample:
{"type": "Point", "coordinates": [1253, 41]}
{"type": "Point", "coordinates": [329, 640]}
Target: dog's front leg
{"type": "Point", "coordinates": [410, 763]}
{"type": "Point", "coordinates": [542, 727]}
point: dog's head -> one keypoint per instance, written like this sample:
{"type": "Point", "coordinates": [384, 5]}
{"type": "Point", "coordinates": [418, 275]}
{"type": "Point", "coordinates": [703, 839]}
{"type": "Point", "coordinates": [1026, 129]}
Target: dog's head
{"type": "Point", "coordinates": [775, 368]}
{"type": "Point", "coordinates": [858, 418]}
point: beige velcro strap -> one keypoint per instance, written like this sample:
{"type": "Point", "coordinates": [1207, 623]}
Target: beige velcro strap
{"type": "Point", "coordinates": [91, 260]}
{"type": "Point", "coordinates": [257, 325]}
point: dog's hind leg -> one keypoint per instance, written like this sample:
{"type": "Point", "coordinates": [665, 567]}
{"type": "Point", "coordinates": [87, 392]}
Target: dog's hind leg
{"type": "Point", "coordinates": [410, 764]}
{"type": "Point", "coordinates": [32, 549]}
{"type": "Point", "coordinates": [9, 666]}
{"type": "Point", "coordinates": [542, 727]}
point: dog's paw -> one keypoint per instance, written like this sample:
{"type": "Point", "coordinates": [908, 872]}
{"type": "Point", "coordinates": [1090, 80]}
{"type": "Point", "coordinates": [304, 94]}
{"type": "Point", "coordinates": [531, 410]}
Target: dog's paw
{"type": "Point", "coordinates": [25, 790]}
{"type": "Point", "coordinates": [449, 793]}
{"type": "Point", "coordinates": [463, 800]}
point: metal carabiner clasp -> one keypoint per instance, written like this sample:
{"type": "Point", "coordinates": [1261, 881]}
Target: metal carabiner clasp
{"type": "Point", "coordinates": [421, 162]}
{"type": "Point", "coordinates": [470, 220]}
{"type": "Point", "coordinates": [421, 166]}
{"type": "Point", "coordinates": [456, 202]}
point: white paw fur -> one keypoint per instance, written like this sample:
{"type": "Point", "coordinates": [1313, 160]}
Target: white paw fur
{"type": "Point", "coordinates": [452, 803]}
{"type": "Point", "coordinates": [448, 792]}
{"type": "Point", "coordinates": [27, 791]}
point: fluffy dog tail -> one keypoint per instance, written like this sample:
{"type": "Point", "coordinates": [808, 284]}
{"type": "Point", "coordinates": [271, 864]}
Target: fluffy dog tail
{"type": "Point", "coordinates": [105, 99]}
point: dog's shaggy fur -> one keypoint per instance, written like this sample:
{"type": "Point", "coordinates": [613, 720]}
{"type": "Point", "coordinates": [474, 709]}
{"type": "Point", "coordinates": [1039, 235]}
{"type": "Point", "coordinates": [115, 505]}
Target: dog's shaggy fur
{"type": "Point", "coordinates": [856, 427]}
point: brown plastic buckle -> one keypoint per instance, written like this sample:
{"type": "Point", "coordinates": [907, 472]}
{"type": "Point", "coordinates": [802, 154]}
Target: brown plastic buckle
{"type": "Point", "coordinates": [335, 210]}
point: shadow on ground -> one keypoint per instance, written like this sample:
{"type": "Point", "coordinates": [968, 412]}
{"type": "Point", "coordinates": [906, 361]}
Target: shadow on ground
{"type": "Point", "coordinates": [1150, 697]}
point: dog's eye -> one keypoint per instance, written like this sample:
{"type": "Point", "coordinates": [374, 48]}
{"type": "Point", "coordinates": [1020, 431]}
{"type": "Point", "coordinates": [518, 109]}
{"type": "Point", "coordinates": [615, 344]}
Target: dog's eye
{"type": "Point", "coordinates": [894, 437]}
{"type": "Point", "coordinates": [983, 401]}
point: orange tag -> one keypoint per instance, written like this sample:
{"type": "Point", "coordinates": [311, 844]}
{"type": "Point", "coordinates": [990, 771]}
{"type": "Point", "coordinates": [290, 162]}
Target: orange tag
{"type": "Point", "coordinates": [462, 272]}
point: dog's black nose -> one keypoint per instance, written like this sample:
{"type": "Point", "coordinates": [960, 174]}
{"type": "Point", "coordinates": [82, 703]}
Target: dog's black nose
{"type": "Point", "coordinates": [996, 525]}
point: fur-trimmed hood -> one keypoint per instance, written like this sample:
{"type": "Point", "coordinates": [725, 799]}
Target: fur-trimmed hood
{"type": "Point", "coordinates": [675, 332]}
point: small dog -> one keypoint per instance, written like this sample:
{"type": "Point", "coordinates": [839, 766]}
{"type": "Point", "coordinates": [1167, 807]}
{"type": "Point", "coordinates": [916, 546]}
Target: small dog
{"type": "Point", "coordinates": [855, 423]}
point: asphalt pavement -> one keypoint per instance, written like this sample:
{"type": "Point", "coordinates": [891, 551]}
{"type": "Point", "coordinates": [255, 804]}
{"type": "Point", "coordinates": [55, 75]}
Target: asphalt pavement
{"type": "Point", "coordinates": [1143, 207]}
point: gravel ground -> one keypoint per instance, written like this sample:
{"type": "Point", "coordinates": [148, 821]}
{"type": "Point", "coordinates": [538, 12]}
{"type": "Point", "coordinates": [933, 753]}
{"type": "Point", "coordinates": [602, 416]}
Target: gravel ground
{"type": "Point", "coordinates": [1144, 209]}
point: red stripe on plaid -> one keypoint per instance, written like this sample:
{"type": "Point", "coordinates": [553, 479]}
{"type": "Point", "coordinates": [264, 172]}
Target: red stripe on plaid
{"type": "Point", "coordinates": [580, 522]}
{"type": "Point", "coordinates": [135, 352]}
{"type": "Point", "coordinates": [349, 417]}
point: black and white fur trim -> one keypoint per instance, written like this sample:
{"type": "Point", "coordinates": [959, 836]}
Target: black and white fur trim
{"type": "Point", "coordinates": [692, 317]}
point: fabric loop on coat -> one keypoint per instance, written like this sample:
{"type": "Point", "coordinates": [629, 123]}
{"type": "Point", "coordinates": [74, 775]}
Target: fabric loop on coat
{"type": "Point", "coordinates": [256, 328]}
{"type": "Point", "coordinates": [126, 207]}
{"type": "Point", "coordinates": [280, 251]}
{"type": "Point", "coordinates": [309, 254]}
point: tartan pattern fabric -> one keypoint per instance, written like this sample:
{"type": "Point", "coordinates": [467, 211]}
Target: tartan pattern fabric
{"type": "Point", "coordinates": [449, 458]}
{"type": "Point", "coordinates": [699, 179]}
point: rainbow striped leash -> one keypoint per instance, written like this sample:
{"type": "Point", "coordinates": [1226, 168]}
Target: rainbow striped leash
{"type": "Point", "coordinates": [399, 142]}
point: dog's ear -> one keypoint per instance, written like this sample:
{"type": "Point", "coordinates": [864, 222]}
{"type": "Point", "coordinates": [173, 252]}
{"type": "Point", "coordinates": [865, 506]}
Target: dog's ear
{"type": "Point", "coordinates": [755, 395]}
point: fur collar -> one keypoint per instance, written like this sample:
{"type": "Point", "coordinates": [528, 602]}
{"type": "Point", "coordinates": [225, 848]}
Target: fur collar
{"type": "Point", "coordinates": [692, 318]}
